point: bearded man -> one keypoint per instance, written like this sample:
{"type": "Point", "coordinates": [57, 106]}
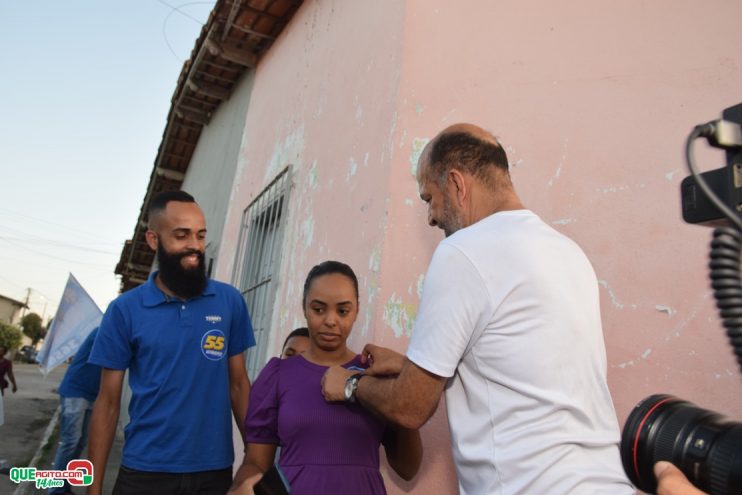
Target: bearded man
{"type": "Point", "coordinates": [182, 336]}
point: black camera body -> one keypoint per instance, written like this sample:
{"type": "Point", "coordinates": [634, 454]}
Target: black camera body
{"type": "Point", "coordinates": [726, 182]}
{"type": "Point", "coordinates": [701, 443]}
{"type": "Point", "coordinates": [706, 447]}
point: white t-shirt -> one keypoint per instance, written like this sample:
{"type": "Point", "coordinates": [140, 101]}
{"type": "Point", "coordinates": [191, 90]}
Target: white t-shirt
{"type": "Point", "coordinates": [510, 313]}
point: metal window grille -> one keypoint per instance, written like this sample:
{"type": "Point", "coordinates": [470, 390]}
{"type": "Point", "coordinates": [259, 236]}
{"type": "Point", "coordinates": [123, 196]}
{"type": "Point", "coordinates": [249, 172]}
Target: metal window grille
{"type": "Point", "coordinates": [258, 259]}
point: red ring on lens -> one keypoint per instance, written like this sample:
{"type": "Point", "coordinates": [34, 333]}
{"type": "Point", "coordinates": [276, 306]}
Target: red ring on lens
{"type": "Point", "coordinates": [639, 430]}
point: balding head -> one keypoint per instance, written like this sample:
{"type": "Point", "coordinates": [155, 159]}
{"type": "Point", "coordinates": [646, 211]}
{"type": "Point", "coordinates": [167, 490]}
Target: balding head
{"type": "Point", "coordinates": [467, 148]}
{"type": "Point", "coordinates": [463, 177]}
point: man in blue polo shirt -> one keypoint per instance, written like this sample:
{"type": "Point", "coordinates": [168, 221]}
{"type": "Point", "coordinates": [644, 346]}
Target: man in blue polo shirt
{"type": "Point", "coordinates": [77, 393]}
{"type": "Point", "coordinates": [182, 337]}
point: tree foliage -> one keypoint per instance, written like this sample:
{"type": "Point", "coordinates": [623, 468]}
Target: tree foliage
{"type": "Point", "coordinates": [10, 336]}
{"type": "Point", "coordinates": [33, 327]}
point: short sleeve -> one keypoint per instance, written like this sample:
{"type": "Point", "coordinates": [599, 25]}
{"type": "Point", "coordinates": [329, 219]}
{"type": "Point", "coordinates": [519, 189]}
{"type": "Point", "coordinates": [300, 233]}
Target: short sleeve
{"type": "Point", "coordinates": [241, 335]}
{"type": "Point", "coordinates": [454, 300]}
{"type": "Point", "coordinates": [111, 348]}
{"type": "Point", "coordinates": [261, 422]}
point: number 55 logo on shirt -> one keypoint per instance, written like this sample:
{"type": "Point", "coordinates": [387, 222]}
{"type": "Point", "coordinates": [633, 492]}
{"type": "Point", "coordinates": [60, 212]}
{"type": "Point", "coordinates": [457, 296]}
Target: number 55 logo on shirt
{"type": "Point", "coordinates": [213, 345]}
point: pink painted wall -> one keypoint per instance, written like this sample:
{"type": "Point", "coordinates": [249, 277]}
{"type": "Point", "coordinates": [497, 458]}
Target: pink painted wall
{"type": "Point", "coordinates": [593, 102]}
{"type": "Point", "coordinates": [593, 105]}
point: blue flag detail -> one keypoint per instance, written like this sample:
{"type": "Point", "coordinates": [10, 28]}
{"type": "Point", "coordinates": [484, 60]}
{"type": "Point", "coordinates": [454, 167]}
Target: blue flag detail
{"type": "Point", "coordinates": [76, 317]}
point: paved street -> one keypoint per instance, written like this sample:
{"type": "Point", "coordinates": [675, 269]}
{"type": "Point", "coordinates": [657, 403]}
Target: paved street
{"type": "Point", "coordinates": [28, 414]}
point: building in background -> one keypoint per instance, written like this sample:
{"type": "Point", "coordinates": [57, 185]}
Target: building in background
{"type": "Point", "coordinates": [10, 310]}
{"type": "Point", "coordinates": [297, 126]}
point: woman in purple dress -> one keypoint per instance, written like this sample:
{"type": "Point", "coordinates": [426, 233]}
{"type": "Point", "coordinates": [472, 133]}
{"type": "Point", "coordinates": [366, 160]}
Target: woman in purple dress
{"type": "Point", "coordinates": [326, 448]}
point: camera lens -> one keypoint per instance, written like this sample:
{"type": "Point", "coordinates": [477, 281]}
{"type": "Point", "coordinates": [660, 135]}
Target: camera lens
{"type": "Point", "coordinates": [706, 447]}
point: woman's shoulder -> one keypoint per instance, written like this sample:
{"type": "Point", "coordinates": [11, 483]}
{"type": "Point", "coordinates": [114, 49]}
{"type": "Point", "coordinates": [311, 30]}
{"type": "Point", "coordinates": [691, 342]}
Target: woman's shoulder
{"type": "Point", "coordinates": [269, 373]}
{"type": "Point", "coordinates": [277, 366]}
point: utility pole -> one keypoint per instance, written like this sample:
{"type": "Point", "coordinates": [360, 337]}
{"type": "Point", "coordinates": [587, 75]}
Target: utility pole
{"type": "Point", "coordinates": [28, 297]}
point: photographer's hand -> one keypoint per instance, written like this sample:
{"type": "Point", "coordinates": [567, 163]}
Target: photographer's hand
{"type": "Point", "coordinates": [672, 481]}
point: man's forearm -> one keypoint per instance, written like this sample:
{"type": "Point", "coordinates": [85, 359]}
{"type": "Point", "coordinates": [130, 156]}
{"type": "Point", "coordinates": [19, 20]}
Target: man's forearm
{"type": "Point", "coordinates": [239, 390]}
{"type": "Point", "coordinates": [380, 395]}
{"type": "Point", "coordinates": [102, 430]}
{"type": "Point", "coordinates": [407, 400]}
{"type": "Point", "coordinates": [239, 395]}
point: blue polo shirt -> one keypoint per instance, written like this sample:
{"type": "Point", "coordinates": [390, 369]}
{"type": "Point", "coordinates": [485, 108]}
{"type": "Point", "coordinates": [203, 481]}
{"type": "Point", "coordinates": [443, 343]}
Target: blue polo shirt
{"type": "Point", "coordinates": [82, 379]}
{"type": "Point", "coordinates": [176, 352]}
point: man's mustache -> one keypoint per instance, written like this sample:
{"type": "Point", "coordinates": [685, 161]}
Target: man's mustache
{"type": "Point", "coordinates": [189, 252]}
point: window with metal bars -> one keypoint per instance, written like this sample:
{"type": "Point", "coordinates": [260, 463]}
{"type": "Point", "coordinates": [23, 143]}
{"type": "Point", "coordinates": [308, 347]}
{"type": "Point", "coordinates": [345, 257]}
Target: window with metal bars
{"type": "Point", "coordinates": [258, 259]}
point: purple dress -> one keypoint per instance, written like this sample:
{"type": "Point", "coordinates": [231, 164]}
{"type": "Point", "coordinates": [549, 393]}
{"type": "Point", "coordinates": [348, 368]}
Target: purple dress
{"type": "Point", "coordinates": [328, 448]}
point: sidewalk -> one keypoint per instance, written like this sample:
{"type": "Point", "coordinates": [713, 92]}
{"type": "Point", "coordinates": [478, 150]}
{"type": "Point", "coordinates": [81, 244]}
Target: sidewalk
{"type": "Point", "coordinates": [30, 429]}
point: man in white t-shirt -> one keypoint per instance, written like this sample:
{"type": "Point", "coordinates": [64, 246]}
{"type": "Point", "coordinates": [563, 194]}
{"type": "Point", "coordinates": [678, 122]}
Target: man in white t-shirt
{"type": "Point", "coordinates": [509, 326]}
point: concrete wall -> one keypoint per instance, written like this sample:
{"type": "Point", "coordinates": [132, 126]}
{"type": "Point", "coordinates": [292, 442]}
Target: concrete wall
{"type": "Point", "coordinates": [593, 102]}
{"type": "Point", "coordinates": [211, 172]}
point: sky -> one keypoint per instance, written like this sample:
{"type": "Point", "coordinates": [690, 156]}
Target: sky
{"type": "Point", "coordinates": [86, 88]}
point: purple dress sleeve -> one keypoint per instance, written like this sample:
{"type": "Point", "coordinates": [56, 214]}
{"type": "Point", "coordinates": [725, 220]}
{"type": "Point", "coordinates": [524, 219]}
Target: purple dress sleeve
{"type": "Point", "coordinates": [261, 422]}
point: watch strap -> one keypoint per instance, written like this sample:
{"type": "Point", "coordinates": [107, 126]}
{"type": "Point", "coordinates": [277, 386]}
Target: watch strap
{"type": "Point", "coordinates": [351, 385]}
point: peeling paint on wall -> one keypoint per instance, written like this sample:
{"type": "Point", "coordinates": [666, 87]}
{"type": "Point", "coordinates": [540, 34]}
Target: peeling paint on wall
{"type": "Point", "coordinates": [400, 316]}
{"type": "Point", "coordinates": [372, 289]}
{"type": "Point", "coordinates": [448, 116]}
{"type": "Point", "coordinates": [390, 140]}
{"type": "Point", "coordinates": [563, 158]}
{"type": "Point", "coordinates": [418, 144]}
{"type": "Point", "coordinates": [676, 332]}
{"type": "Point", "coordinates": [563, 221]}
{"type": "Point", "coordinates": [616, 189]}
{"type": "Point", "coordinates": [307, 231]}
{"type": "Point", "coordinates": [419, 109]}
{"type": "Point", "coordinates": [352, 169]}
{"type": "Point", "coordinates": [287, 151]}
{"type": "Point", "coordinates": [556, 176]}
{"type": "Point", "coordinates": [670, 175]}
{"type": "Point", "coordinates": [634, 362]}
{"type": "Point", "coordinates": [321, 102]}
{"type": "Point", "coordinates": [665, 309]}
{"type": "Point", "coordinates": [420, 282]}
{"type": "Point", "coordinates": [611, 294]}
{"type": "Point", "coordinates": [374, 261]}
{"type": "Point", "coordinates": [312, 175]}
{"type": "Point", "coordinates": [408, 202]}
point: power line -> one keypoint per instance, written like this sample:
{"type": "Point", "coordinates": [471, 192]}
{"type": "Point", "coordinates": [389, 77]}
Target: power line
{"type": "Point", "coordinates": [23, 233]}
{"type": "Point", "coordinates": [174, 9]}
{"type": "Point", "coordinates": [183, 13]}
{"type": "Point", "coordinates": [50, 242]}
{"type": "Point", "coordinates": [58, 225]}
{"type": "Point", "coordinates": [51, 256]}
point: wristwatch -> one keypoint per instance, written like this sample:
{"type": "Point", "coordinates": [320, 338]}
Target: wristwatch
{"type": "Point", "coordinates": [351, 384]}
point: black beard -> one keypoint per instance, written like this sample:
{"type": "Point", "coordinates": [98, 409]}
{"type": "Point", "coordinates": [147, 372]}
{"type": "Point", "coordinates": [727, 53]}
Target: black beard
{"type": "Point", "coordinates": [184, 283]}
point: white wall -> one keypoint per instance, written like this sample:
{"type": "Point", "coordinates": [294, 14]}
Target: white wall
{"type": "Point", "coordinates": [211, 172]}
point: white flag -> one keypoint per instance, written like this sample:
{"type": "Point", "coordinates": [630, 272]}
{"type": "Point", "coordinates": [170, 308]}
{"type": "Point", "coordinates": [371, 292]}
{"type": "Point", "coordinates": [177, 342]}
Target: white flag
{"type": "Point", "coordinates": [76, 317]}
